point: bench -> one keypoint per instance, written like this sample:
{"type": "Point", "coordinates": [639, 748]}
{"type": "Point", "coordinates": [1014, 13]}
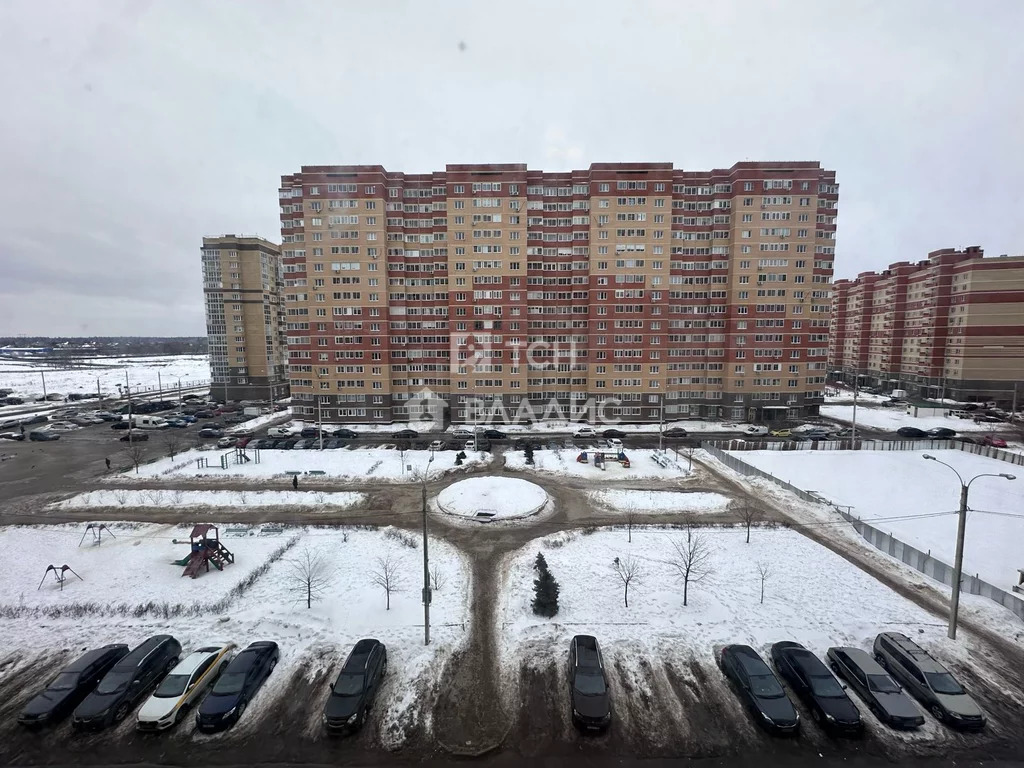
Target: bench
{"type": "Point", "coordinates": [292, 472]}
{"type": "Point", "coordinates": [316, 472]}
{"type": "Point", "coordinates": [271, 530]}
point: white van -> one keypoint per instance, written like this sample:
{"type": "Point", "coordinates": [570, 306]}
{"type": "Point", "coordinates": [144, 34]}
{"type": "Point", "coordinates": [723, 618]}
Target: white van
{"type": "Point", "coordinates": [149, 422]}
{"type": "Point", "coordinates": [755, 430]}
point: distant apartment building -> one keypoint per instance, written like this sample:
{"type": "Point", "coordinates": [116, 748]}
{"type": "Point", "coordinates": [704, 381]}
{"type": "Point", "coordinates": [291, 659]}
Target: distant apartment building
{"type": "Point", "coordinates": [949, 326]}
{"type": "Point", "coordinates": [630, 291]}
{"type": "Point", "coordinates": [242, 281]}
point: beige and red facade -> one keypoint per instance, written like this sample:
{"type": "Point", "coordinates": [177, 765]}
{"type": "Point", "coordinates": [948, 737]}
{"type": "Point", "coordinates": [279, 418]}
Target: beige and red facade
{"type": "Point", "coordinates": [951, 325]}
{"type": "Point", "coordinates": [636, 288]}
{"type": "Point", "coordinates": [242, 287]}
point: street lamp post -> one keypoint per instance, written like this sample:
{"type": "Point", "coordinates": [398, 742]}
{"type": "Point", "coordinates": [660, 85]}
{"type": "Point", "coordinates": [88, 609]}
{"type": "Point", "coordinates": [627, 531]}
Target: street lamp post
{"type": "Point", "coordinates": [958, 562]}
{"type": "Point", "coordinates": [426, 562]}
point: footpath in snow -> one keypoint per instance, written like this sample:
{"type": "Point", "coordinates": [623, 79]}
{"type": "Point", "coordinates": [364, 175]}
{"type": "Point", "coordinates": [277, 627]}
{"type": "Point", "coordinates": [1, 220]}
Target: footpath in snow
{"type": "Point", "coordinates": [177, 498]}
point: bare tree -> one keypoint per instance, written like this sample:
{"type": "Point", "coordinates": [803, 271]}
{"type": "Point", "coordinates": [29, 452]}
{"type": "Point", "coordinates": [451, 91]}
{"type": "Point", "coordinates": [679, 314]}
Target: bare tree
{"type": "Point", "coordinates": [154, 497]}
{"type": "Point", "coordinates": [692, 562]}
{"type": "Point", "coordinates": [688, 450]}
{"type": "Point", "coordinates": [629, 570]}
{"type": "Point", "coordinates": [173, 442]}
{"type": "Point", "coordinates": [387, 577]}
{"type": "Point", "coordinates": [749, 514]}
{"type": "Point", "coordinates": [630, 515]}
{"type": "Point", "coordinates": [178, 495]}
{"type": "Point", "coordinates": [764, 570]}
{"type": "Point", "coordinates": [320, 497]}
{"type": "Point", "coordinates": [121, 496]}
{"type": "Point", "coordinates": [402, 447]}
{"type": "Point", "coordinates": [135, 451]}
{"type": "Point", "coordinates": [309, 573]}
{"type": "Point", "coordinates": [689, 520]}
{"type": "Point", "coordinates": [436, 577]}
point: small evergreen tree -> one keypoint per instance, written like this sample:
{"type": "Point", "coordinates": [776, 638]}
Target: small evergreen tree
{"type": "Point", "coordinates": [528, 453]}
{"type": "Point", "coordinates": [540, 563]}
{"type": "Point", "coordinates": [545, 594]}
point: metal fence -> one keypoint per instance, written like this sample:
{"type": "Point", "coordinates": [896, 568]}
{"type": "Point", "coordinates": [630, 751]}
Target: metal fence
{"type": "Point", "coordinates": [832, 445]}
{"type": "Point", "coordinates": [993, 453]}
{"type": "Point", "coordinates": [915, 558]}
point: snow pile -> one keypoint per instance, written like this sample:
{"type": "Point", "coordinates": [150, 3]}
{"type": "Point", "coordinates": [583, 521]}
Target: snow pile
{"type": "Point", "coordinates": [352, 463]}
{"type": "Point", "coordinates": [563, 462]}
{"type": "Point", "coordinates": [181, 498]}
{"type": "Point", "coordinates": [646, 502]}
{"type": "Point", "coordinates": [259, 421]}
{"type": "Point", "coordinates": [903, 484]}
{"type": "Point", "coordinates": [492, 498]}
{"type": "Point", "coordinates": [893, 418]}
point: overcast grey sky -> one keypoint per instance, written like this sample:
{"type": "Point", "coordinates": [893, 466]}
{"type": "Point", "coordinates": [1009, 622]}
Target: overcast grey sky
{"type": "Point", "coordinates": [131, 129]}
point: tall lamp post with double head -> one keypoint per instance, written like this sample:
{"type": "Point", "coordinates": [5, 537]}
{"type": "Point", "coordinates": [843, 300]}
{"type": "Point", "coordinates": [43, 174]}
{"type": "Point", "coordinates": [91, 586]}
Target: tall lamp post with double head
{"type": "Point", "coordinates": [958, 562]}
{"type": "Point", "coordinates": [426, 561]}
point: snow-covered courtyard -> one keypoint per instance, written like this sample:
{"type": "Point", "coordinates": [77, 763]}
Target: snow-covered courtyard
{"type": "Point", "coordinates": [892, 419]}
{"type": "Point", "coordinates": [883, 485]}
{"type": "Point", "coordinates": [177, 498]}
{"type": "Point", "coordinates": [563, 462]}
{"type": "Point", "coordinates": [492, 498]}
{"type": "Point", "coordinates": [659, 502]}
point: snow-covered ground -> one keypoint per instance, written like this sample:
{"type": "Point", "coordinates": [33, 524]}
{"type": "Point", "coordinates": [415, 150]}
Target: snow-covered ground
{"type": "Point", "coordinates": [568, 427]}
{"type": "Point", "coordinates": [893, 418]}
{"type": "Point", "coordinates": [259, 421]}
{"type": "Point", "coordinates": [23, 376]}
{"type": "Point", "coordinates": [352, 463]}
{"type": "Point", "coordinates": [240, 499]}
{"type": "Point", "coordinates": [881, 485]}
{"type": "Point", "coordinates": [312, 641]}
{"type": "Point", "coordinates": [846, 396]}
{"type": "Point", "coordinates": [492, 498]}
{"type": "Point", "coordinates": [563, 462]}
{"type": "Point", "coordinates": [656, 502]}
{"type": "Point", "coordinates": [811, 595]}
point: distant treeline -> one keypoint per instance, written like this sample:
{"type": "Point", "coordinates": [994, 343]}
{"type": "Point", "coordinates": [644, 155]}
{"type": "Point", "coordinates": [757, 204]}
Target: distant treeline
{"type": "Point", "coordinates": [51, 347]}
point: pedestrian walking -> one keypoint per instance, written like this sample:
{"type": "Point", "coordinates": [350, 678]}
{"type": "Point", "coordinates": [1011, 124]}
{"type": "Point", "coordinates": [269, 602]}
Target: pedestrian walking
{"type": "Point", "coordinates": [295, 482]}
{"type": "Point", "coordinates": [108, 463]}
{"type": "Point", "coordinates": [22, 428]}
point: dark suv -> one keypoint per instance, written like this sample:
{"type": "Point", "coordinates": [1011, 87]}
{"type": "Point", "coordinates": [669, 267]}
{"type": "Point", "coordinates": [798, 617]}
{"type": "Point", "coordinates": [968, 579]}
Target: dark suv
{"type": "Point", "coordinates": [759, 689]}
{"type": "Point", "coordinates": [588, 687]}
{"type": "Point", "coordinates": [810, 679]}
{"type": "Point", "coordinates": [70, 686]}
{"type": "Point", "coordinates": [127, 682]}
{"type": "Point", "coordinates": [356, 687]}
{"type": "Point", "coordinates": [928, 681]}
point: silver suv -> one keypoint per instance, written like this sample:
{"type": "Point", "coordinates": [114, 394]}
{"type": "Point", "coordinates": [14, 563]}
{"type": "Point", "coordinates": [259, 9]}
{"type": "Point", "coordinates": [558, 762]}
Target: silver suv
{"type": "Point", "coordinates": [928, 681]}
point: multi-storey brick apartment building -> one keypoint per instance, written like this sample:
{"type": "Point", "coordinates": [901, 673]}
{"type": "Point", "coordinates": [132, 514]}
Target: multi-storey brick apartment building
{"type": "Point", "coordinates": [242, 285]}
{"type": "Point", "coordinates": [656, 291]}
{"type": "Point", "coordinates": [951, 325]}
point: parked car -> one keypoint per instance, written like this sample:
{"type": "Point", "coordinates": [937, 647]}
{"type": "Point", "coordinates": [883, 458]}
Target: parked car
{"type": "Point", "coordinates": [348, 434]}
{"type": "Point", "coordinates": [106, 416]}
{"type": "Point", "coordinates": [928, 681]}
{"type": "Point", "coordinates": [183, 686]}
{"type": "Point", "coordinates": [494, 434]}
{"type": "Point", "coordinates": [812, 682]}
{"type": "Point", "coordinates": [309, 432]}
{"type": "Point", "coordinates": [675, 432]}
{"type": "Point", "coordinates": [615, 444]}
{"type": "Point", "coordinates": [126, 682]}
{"type": "Point", "coordinates": [437, 445]}
{"type": "Point", "coordinates": [176, 423]}
{"type": "Point", "coordinates": [462, 433]}
{"type": "Point", "coordinates": [353, 692]}
{"type": "Point", "coordinates": [203, 414]}
{"type": "Point", "coordinates": [589, 697]}
{"type": "Point", "coordinates": [480, 444]}
{"type": "Point", "coordinates": [260, 444]}
{"type": "Point", "coordinates": [279, 432]}
{"type": "Point", "coordinates": [63, 426]}
{"type": "Point", "coordinates": [37, 419]}
{"type": "Point", "coordinates": [41, 435]}
{"type": "Point", "coordinates": [227, 442]}
{"type": "Point", "coordinates": [286, 445]}
{"type": "Point", "coordinates": [134, 436]}
{"type": "Point", "coordinates": [12, 436]}
{"type": "Point", "coordinates": [881, 693]}
{"type": "Point", "coordinates": [333, 443]}
{"type": "Point", "coordinates": [759, 689]}
{"type": "Point", "coordinates": [618, 433]}
{"type": "Point", "coordinates": [405, 434]}
{"type": "Point", "coordinates": [237, 686]}
{"type": "Point", "coordinates": [306, 443]}
{"type": "Point", "coordinates": [82, 421]}
{"type": "Point", "coordinates": [235, 418]}
{"type": "Point", "coordinates": [71, 685]}
{"type": "Point", "coordinates": [941, 433]}
{"type": "Point", "coordinates": [911, 432]}
{"type": "Point", "coordinates": [125, 424]}
{"type": "Point", "coordinates": [13, 401]}
{"type": "Point", "coordinates": [211, 425]}
{"type": "Point", "coordinates": [992, 440]}
{"type": "Point", "coordinates": [781, 433]}
{"type": "Point", "coordinates": [585, 432]}
{"type": "Point", "coordinates": [816, 435]}
{"type": "Point", "coordinates": [208, 432]}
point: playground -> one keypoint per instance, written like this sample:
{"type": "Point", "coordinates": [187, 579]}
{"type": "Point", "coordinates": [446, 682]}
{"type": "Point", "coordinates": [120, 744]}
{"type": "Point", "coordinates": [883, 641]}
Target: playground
{"type": "Point", "coordinates": [602, 464]}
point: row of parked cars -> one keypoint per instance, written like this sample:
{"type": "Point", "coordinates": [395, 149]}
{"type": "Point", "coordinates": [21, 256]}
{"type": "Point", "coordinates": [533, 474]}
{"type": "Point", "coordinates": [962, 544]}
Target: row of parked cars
{"type": "Point", "coordinates": [100, 688]}
{"type": "Point", "coordinates": [881, 681]}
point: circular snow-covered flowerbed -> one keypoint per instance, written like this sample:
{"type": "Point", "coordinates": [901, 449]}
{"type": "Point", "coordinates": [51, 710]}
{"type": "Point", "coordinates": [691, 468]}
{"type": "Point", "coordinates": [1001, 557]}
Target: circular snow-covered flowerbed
{"type": "Point", "coordinates": [492, 498]}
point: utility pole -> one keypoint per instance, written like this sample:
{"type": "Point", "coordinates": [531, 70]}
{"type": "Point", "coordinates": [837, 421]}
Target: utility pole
{"type": "Point", "coordinates": [1013, 408]}
{"type": "Point", "coordinates": [179, 391]}
{"type": "Point", "coordinates": [426, 559]}
{"type": "Point", "coordinates": [958, 563]}
{"type": "Point", "coordinates": [99, 395]}
{"type": "Point", "coordinates": [43, 374]}
{"type": "Point", "coordinates": [661, 423]}
{"type": "Point", "coordinates": [319, 422]}
{"type": "Point", "coordinates": [159, 387]}
{"type": "Point", "coordinates": [856, 388]}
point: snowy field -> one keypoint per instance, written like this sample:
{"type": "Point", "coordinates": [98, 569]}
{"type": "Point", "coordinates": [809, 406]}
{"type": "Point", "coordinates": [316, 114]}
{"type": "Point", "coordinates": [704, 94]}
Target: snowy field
{"type": "Point", "coordinates": [658, 502]}
{"type": "Point", "coordinates": [812, 595]}
{"type": "Point", "coordinates": [892, 419]}
{"type": "Point", "coordinates": [313, 641]}
{"type": "Point", "coordinates": [563, 462]}
{"type": "Point", "coordinates": [23, 376]}
{"type": "Point", "coordinates": [352, 463]}
{"type": "Point", "coordinates": [492, 498]}
{"type": "Point", "coordinates": [887, 484]}
{"type": "Point", "coordinates": [190, 499]}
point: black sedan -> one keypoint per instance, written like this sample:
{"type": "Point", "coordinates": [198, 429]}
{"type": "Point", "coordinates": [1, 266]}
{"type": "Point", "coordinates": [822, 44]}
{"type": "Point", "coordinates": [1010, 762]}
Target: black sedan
{"type": "Point", "coordinates": [589, 696]}
{"type": "Point", "coordinates": [121, 425]}
{"type": "Point", "coordinates": [880, 692]}
{"type": "Point", "coordinates": [760, 690]}
{"type": "Point", "coordinates": [494, 434]}
{"type": "Point", "coordinates": [613, 433]}
{"type": "Point", "coordinates": [675, 432]}
{"type": "Point", "coordinates": [70, 686]}
{"type": "Point", "coordinates": [817, 688]}
{"type": "Point", "coordinates": [405, 434]}
{"type": "Point", "coordinates": [127, 682]}
{"type": "Point", "coordinates": [237, 686]}
{"type": "Point", "coordinates": [941, 433]}
{"type": "Point", "coordinates": [352, 694]}
{"type": "Point", "coordinates": [911, 432]}
{"type": "Point", "coordinates": [39, 419]}
{"type": "Point", "coordinates": [41, 436]}
{"type": "Point", "coordinates": [208, 432]}
{"type": "Point", "coordinates": [348, 434]}
{"type": "Point", "coordinates": [135, 436]}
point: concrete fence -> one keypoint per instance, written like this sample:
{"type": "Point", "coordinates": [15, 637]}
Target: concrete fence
{"type": "Point", "coordinates": [920, 561]}
{"type": "Point", "coordinates": [993, 453]}
{"type": "Point", "coordinates": [833, 445]}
